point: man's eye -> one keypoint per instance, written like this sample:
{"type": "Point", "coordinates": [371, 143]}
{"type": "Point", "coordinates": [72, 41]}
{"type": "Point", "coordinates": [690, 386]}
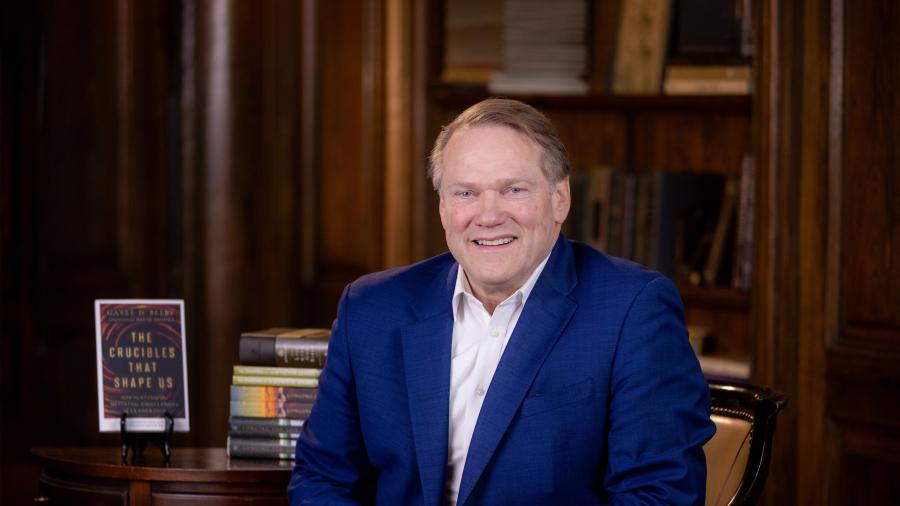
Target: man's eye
{"type": "Point", "coordinates": [465, 193]}
{"type": "Point", "coordinates": [516, 190]}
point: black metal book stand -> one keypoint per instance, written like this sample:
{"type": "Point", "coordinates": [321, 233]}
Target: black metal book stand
{"type": "Point", "coordinates": [137, 441]}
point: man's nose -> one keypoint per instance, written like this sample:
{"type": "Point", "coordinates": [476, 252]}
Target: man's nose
{"type": "Point", "coordinates": [490, 210]}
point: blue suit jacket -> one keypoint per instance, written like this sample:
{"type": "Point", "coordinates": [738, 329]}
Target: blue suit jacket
{"type": "Point", "coordinates": [598, 397]}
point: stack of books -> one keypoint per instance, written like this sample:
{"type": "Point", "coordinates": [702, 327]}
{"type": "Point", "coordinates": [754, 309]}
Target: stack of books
{"type": "Point", "coordinates": [544, 48]}
{"type": "Point", "coordinates": [273, 390]}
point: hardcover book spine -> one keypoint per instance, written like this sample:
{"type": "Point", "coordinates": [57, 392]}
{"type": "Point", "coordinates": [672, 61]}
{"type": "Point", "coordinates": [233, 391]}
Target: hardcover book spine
{"type": "Point", "coordinates": [237, 427]}
{"type": "Point", "coordinates": [266, 448]}
{"type": "Point", "coordinates": [293, 352]}
{"type": "Point", "coordinates": [271, 394]}
{"type": "Point", "coordinates": [280, 410]}
{"type": "Point", "coordinates": [264, 433]}
{"type": "Point", "coordinates": [283, 351]}
{"type": "Point", "coordinates": [257, 349]}
{"type": "Point", "coordinates": [294, 372]}
{"type": "Point", "coordinates": [276, 423]}
{"type": "Point", "coordinates": [274, 381]}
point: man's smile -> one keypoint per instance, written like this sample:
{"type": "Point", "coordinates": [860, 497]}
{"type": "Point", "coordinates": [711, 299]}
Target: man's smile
{"type": "Point", "coordinates": [501, 241]}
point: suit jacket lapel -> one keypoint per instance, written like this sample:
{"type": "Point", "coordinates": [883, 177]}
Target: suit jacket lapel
{"type": "Point", "coordinates": [543, 319]}
{"type": "Point", "coordinates": [426, 359]}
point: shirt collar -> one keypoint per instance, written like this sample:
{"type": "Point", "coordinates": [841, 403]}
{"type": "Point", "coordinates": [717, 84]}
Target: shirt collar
{"type": "Point", "coordinates": [463, 289]}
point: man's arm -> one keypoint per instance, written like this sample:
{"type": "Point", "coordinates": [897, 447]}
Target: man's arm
{"type": "Point", "coordinates": [331, 464]}
{"type": "Point", "coordinates": [659, 408]}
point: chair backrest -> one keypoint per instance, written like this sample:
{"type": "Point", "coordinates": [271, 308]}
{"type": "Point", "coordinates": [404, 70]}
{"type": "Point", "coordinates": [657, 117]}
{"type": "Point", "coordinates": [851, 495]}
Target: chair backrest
{"type": "Point", "coordinates": [737, 456]}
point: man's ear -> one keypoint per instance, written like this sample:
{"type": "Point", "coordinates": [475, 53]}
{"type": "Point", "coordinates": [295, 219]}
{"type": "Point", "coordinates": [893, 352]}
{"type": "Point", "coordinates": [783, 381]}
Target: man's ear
{"type": "Point", "coordinates": [562, 201]}
{"type": "Point", "coordinates": [442, 210]}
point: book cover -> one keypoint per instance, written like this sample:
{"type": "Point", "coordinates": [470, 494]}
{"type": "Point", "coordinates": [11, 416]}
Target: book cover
{"type": "Point", "coordinates": [285, 347]}
{"type": "Point", "coordinates": [267, 394]}
{"type": "Point", "coordinates": [141, 364]}
{"type": "Point", "coordinates": [275, 381]}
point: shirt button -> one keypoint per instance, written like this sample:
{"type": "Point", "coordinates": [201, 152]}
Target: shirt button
{"type": "Point", "coordinates": [479, 391]}
{"type": "Point", "coordinates": [495, 333]}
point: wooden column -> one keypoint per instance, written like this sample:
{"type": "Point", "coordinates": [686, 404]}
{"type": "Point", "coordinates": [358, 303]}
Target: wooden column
{"type": "Point", "coordinates": [243, 178]}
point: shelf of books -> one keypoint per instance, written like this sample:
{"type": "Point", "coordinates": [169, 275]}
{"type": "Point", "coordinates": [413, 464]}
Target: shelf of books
{"type": "Point", "coordinates": [273, 389]}
{"type": "Point", "coordinates": [653, 99]}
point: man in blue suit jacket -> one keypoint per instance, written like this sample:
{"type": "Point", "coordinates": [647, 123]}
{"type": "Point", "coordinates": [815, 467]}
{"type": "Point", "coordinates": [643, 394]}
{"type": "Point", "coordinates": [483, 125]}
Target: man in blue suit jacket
{"type": "Point", "coordinates": [520, 368]}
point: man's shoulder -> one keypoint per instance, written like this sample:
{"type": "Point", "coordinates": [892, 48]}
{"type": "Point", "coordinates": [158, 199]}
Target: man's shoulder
{"type": "Point", "coordinates": [406, 282]}
{"type": "Point", "coordinates": [591, 261]}
{"type": "Point", "coordinates": [616, 273]}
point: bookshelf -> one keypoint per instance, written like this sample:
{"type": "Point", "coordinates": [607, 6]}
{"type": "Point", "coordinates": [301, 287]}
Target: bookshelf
{"type": "Point", "coordinates": [633, 133]}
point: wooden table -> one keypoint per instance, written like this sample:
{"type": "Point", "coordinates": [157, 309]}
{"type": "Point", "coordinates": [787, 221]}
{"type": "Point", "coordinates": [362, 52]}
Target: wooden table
{"type": "Point", "coordinates": [96, 476]}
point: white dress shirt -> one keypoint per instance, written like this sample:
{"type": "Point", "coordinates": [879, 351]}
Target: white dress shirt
{"type": "Point", "coordinates": [479, 339]}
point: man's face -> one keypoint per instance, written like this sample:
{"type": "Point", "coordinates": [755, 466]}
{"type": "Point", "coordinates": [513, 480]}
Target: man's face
{"type": "Point", "coordinates": [499, 213]}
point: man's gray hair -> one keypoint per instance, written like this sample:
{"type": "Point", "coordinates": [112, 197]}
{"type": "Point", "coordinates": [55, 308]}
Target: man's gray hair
{"type": "Point", "coordinates": [513, 114]}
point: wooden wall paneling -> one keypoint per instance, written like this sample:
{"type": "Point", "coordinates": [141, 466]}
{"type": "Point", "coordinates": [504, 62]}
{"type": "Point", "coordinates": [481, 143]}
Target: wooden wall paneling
{"type": "Point", "coordinates": [405, 138]}
{"type": "Point", "coordinates": [18, 91]}
{"type": "Point", "coordinates": [828, 334]}
{"type": "Point", "coordinates": [774, 275]}
{"type": "Point", "coordinates": [350, 163]}
{"type": "Point", "coordinates": [274, 243]}
{"type": "Point", "coordinates": [812, 236]}
{"type": "Point", "coordinates": [592, 138]}
{"type": "Point", "coordinates": [309, 140]}
{"type": "Point", "coordinates": [398, 130]}
{"type": "Point", "coordinates": [192, 204]}
{"type": "Point", "coordinates": [421, 40]}
{"type": "Point", "coordinates": [226, 40]}
{"type": "Point", "coordinates": [871, 235]}
{"type": "Point", "coordinates": [863, 357]}
{"type": "Point", "coordinates": [691, 141]}
{"type": "Point", "coordinates": [89, 217]}
{"type": "Point", "coordinates": [19, 66]}
{"type": "Point", "coordinates": [99, 195]}
{"type": "Point", "coordinates": [243, 176]}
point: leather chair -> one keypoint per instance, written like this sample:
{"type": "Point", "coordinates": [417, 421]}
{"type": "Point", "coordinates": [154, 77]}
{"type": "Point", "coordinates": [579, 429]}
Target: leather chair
{"type": "Point", "coordinates": [737, 456]}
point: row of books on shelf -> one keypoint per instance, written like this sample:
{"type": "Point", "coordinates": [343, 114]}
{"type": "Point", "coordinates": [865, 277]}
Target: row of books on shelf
{"type": "Point", "coordinates": [695, 228]}
{"type": "Point", "coordinates": [273, 389]}
{"type": "Point", "coordinates": [638, 47]}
